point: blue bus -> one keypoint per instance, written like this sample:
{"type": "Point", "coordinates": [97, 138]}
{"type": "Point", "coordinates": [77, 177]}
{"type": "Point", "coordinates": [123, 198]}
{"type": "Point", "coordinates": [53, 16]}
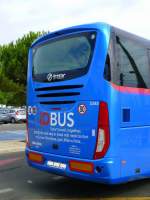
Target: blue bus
{"type": "Point", "coordinates": [88, 100]}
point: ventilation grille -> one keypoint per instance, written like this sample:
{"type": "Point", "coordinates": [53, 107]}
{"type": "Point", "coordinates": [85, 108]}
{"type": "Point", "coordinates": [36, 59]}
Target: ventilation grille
{"type": "Point", "coordinates": [56, 102]}
{"type": "Point", "coordinates": [64, 94]}
{"type": "Point", "coordinates": [57, 94]}
{"type": "Point", "coordinates": [63, 87]}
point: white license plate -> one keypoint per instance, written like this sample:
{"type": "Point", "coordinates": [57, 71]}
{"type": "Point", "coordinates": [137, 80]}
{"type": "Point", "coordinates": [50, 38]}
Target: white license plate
{"type": "Point", "coordinates": [57, 165]}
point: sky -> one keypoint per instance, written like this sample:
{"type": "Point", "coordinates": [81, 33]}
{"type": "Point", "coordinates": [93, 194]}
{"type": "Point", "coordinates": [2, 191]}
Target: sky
{"type": "Point", "coordinates": [18, 17]}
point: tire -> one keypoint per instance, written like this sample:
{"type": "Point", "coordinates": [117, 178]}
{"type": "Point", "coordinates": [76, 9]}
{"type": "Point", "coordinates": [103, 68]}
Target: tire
{"type": "Point", "coordinates": [13, 120]}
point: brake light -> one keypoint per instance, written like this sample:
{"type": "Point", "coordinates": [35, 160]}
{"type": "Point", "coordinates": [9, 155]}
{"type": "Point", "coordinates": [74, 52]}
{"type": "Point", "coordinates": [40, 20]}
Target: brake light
{"type": "Point", "coordinates": [103, 135]}
{"type": "Point", "coordinates": [17, 112]}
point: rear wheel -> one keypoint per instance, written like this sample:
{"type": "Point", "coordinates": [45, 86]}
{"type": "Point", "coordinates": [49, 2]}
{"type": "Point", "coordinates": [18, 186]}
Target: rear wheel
{"type": "Point", "coordinates": [13, 120]}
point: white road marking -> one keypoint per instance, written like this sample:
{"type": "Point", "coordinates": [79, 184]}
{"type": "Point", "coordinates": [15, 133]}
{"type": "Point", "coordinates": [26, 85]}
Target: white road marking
{"type": "Point", "coordinates": [29, 181]}
{"type": "Point", "coordinates": [57, 178]}
{"type": "Point", "coordinates": [2, 191]}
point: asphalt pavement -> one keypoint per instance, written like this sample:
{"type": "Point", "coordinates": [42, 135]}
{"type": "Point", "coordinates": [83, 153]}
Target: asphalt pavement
{"type": "Point", "coordinates": [20, 182]}
{"type": "Point", "coordinates": [12, 127]}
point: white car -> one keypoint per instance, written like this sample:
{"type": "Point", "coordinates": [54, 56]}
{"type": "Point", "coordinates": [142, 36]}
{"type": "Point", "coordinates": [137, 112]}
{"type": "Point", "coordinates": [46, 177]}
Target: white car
{"type": "Point", "coordinates": [17, 115]}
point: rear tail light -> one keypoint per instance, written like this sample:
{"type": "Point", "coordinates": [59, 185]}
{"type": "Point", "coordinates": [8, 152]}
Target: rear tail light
{"type": "Point", "coordinates": [103, 135]}
{"type": "Point", "coordinates": [79, 166]}
{"type": "Point", "coordinates": [35, 157]}
{"type": "Point", "coordinates": [17, 112]}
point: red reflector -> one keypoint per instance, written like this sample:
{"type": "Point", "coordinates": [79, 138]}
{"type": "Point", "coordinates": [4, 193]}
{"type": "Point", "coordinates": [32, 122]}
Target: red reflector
{"type": "Point", "coordinates": [79, 166]}
{"type": "Point", "coordinates": [34, 157]}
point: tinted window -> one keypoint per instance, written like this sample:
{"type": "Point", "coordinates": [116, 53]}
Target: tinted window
{"type": "Point", "coordinates": [133, 64]}
{"type": "Point", "coordinates": [12, 111]}
{"type": "Point", "coordinates": [3, 112]}
{"type": "Point", "coordinates": [107, 71]}
{"type": "Point", "coordinates": [69, 56]}
{"type": "Point", "coordinates": [21, 112]}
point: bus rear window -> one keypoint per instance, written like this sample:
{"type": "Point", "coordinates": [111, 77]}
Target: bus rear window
{"type": "Point", "coordinates": [63, 58]}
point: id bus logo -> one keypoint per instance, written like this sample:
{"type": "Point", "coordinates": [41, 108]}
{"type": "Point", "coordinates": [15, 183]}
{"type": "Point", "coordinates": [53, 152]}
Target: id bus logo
{"type": "Point", "coordinates": [54, 119]}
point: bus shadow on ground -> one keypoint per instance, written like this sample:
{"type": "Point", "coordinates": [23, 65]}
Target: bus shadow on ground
{"type": "Point", "coordinates": [66, 188]}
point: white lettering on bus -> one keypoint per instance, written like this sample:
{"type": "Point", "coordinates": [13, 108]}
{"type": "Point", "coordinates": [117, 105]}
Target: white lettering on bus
{"type": "Point", "coordinates": [71, 124]}
{"type": "Point", "coordinates": [54, 119]}
{"type": "Point", "coordinates": [61, 120]}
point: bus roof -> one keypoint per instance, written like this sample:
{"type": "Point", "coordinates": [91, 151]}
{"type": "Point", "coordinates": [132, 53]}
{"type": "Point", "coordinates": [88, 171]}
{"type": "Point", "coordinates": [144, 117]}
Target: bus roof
{"type": "Point", "coordinates": [131, 36]}
{"type": "Point", "coordinates": [98, 25]}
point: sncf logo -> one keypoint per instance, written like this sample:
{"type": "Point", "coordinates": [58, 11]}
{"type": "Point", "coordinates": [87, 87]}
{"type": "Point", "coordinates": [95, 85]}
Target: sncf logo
{"type": "Point", "coordinates": [54, 119]}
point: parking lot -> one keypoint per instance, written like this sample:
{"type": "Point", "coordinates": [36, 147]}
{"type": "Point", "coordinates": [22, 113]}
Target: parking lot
{"type": "Point", "coordinates": [18, 181]}
{"type": "Point", "coordinates": [12, 127]}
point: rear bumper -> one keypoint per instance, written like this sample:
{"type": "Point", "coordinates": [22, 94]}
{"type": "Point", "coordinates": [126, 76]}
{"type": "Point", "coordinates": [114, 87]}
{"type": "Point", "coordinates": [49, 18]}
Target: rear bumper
{"type": "Point", "coordinates": [109, 172]}
{"type": "Point", "coordinates": [20, 119]}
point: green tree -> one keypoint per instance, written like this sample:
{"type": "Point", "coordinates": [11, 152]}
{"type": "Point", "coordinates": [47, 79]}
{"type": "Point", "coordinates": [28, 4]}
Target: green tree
{"type": "Point", "coordinates": [13, 69]}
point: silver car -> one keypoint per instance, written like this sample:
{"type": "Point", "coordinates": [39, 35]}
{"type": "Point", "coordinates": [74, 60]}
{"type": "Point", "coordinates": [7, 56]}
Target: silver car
{"type": "Point", "coordinates": [4, 116]}
{"type": "Point", "coordinates": [17, 115]}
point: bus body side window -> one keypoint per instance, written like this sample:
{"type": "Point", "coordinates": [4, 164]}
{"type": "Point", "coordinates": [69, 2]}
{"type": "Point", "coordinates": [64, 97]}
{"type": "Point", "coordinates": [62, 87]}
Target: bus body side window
{"type": "Point", "coordinates": [107, 70]}
{"type": "Point", "coordinates": [111, 73]}
{"type": "Point", "coordinates": [133, 63]}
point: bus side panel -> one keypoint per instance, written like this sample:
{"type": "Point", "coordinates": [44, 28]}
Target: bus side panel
{"type": "Point", "coordinates": [135, 135]}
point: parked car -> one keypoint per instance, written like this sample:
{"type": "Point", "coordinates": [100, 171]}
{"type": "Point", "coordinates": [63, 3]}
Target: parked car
{"type": "Point", "coordinates": [4, 116]}
{"type": "Point", "coordinates": [17, 115]}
